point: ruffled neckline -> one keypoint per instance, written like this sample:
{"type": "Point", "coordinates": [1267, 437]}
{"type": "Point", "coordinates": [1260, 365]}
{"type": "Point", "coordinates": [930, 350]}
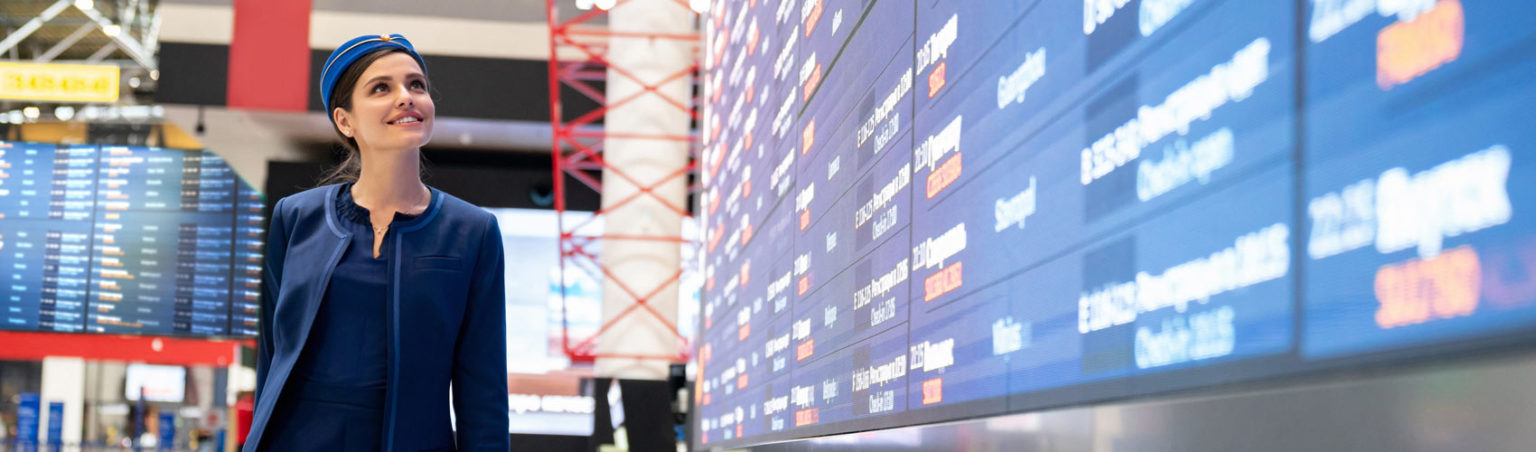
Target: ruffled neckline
{"type": "Point", "coordinates": [348, 209]}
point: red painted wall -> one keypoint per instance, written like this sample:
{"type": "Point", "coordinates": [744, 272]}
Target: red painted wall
{"type": "Point", "coordinates": [28, 346]}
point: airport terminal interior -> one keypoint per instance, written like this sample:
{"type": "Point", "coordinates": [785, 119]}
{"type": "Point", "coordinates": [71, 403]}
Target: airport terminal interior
{"type": "Point", "coordinates": [769, 225]}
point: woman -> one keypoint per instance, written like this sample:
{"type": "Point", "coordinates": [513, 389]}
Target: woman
{"type": "Point", "coordinates": [380, 291]}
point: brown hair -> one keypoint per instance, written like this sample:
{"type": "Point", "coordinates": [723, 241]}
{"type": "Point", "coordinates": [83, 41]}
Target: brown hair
{"type": "Point", "coordinates": [341, 97]}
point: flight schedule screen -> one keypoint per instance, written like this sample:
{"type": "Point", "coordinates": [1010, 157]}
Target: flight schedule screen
{"type": "Point", "coordinates": [136, 240]}
{"type": "Point", "coordinates": [924, 211]}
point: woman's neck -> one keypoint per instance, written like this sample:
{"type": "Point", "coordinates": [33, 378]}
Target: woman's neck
{"type": "Point", "coordinates": [391, 181]}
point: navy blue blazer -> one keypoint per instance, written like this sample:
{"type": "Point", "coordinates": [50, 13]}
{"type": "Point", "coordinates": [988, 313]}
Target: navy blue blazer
{"type": "Point", "coordinates": [447, 318]}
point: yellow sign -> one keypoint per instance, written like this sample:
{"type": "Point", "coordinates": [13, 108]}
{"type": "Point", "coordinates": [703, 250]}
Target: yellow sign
{"type": "Point", "coordinates": [58, 82]}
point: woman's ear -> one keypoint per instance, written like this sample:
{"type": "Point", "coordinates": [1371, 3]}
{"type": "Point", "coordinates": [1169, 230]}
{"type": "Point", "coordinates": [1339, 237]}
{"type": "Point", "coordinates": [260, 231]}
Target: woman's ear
{"type": "Point", "coordinates": [343, 121]}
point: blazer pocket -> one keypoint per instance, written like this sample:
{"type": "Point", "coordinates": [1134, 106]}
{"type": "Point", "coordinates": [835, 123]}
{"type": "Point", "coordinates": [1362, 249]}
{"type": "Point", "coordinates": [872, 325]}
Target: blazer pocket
{"type": "Point", "coordinates": [438, 263]}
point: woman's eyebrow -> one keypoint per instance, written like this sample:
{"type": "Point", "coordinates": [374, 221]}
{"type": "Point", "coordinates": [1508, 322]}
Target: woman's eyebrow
{"type": "Point", "coordinates": [386, 77]}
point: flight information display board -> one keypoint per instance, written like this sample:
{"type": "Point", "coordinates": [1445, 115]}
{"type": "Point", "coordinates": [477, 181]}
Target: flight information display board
{"type": "Point", "coordinates": [135, 240]}
{"type": "Point", "coordinates": [924, 211]}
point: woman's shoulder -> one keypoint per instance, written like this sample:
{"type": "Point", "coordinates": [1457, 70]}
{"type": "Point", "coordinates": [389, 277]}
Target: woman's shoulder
{"type": "Point", "coordinates": [311, 201]}
{"type": "Point", "coordinates": [463, 216]}
{"type": "Point", "coordinates": [456, 210]}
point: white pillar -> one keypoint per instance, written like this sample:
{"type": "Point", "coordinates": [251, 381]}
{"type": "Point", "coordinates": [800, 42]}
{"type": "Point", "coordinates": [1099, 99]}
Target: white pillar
{"type": "Point", "coordinates": [643, 265]}
{"type": "Point", "coordinates": [63, 381]}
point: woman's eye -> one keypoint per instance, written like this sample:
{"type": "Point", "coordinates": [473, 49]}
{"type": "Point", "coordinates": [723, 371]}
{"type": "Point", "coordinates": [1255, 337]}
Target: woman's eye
{"type": "Point", "coordinates": [379, 88]}
{"type": "Point", "coordinates": [417, 84]}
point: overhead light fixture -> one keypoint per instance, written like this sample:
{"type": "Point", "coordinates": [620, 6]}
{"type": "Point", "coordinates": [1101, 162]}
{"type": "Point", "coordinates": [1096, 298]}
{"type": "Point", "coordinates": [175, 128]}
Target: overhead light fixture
{"type": "Point", "coordinates": [605, 4]}
{"type": "Point", "coordinates": [111, 30]}
{"type": "Point", "coordinates": [584, 4]}
{"type": "Point", "coordinates": [64, 112]}
{"type": "Point", "coordinates": [699, 6]}
{"type": "Point", "coordinates": [154, 74]}
{"type": "Point", "coordinates": [16, 117]}
{"type": "Point", "coordinates": [85, 5]}
{"type": "Point", "coordinates": [134, 82]}
{"type": "Point", "coordinates": [32, 112]}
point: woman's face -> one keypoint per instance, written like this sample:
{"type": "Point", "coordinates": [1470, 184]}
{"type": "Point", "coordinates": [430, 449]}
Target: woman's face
{"type": "Point", "coordinates": [391, 108]}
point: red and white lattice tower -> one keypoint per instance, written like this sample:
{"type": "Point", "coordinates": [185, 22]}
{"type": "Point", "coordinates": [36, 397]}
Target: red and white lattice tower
{"type": "Point", "coordinates": [594, 55]}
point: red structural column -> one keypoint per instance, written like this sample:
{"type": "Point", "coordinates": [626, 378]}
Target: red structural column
{"type": "Point", "coordinates": [269, 55]}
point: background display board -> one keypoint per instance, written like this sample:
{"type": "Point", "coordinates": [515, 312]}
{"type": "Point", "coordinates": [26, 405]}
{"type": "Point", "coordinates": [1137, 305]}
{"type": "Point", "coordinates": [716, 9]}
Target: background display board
{"type": "Point", "coordinates": [127, 240]}
{"type": "Point", "coordinates": [925, 211]}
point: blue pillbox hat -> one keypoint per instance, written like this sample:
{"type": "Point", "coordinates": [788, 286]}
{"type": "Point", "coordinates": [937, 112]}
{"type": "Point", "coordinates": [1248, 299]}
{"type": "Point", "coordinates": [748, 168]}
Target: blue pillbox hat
{"type": "Point", "coordinates": [350, 51]}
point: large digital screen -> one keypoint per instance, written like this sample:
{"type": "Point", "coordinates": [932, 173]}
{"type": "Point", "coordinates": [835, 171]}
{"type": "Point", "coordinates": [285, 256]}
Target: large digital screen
{"type": "Point", "coordinates": [127, 240]}
{"type": "Point", "coordinates": [545, 302]}
{"type": "Point", "coordinates": [554, 298]}
{"type": "Point", "coordinates": [153, 383]}
{"type": "Point", "coordinates": [916, 212]}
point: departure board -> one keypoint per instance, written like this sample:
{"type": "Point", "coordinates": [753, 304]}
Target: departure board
{"type": "Point", "coordinates": [250, 241]}
{"type": "Point", "coordinates": [916, 212]}
{"type": "Point", "coordinates": [135, 240]}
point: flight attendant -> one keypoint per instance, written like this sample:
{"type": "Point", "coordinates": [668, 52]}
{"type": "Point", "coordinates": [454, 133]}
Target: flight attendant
{"type": "Point", "coordinates": [380, 293]}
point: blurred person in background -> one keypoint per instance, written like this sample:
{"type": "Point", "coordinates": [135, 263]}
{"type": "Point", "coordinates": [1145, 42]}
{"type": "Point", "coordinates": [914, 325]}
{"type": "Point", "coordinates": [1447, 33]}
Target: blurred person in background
{"type": "Point", "coordinates": [245, 408]}
{"type": "Point", "coordinates": [380, 290]}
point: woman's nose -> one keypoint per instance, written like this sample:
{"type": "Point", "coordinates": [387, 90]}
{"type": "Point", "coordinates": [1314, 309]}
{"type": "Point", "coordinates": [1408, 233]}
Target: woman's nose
{"type": "Point", "coordinates": [404, 98]}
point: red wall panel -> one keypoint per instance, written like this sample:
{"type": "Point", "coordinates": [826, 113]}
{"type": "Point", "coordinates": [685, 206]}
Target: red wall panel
{"type": "Point", "coordinates": [269, 55]}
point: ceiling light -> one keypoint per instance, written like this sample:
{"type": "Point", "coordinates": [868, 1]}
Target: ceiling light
{"type": "Point", "coordinates": [584, 4]}
{"type": "Point", "coordinates": [154, 74]}
{"type": "Point", "coordinates": [64, 112]}
{"type": "Point", "coordinates": [111, 30]}
{"type": "Point", "coordinates": [84, 5]}
{"type": "Point", "coordinates": [133, 82]}
{"type": "Point", "coordinates": [699, 6]}
{"type": "Point", "coordinates": [605, 4]}
{"type": "Point", "coordinates": [32, 112]}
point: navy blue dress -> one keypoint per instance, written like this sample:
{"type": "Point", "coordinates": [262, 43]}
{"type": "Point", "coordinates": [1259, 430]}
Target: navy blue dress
{"type": "Point", "coordinates": [335, 399]}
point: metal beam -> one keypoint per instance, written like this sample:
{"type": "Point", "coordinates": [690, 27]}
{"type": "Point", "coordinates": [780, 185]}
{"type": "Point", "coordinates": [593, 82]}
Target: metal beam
{"type": "Point", "coordinates": [121, 63]}
{"type": "Point", "coordinates": [126, 14]}
{"type": "Point", "coordinates": [32, 25]}
{"type": "Point", "coordinates": [129, 45]}
{"type": "Point", "coordinates": [11, 23]}
{"type": "Point", "coordinates": [152, 36]}
{"type": "Point", "coordinates": [65, 44]}
{"type": "Point", "coordinates": [102, 53]}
